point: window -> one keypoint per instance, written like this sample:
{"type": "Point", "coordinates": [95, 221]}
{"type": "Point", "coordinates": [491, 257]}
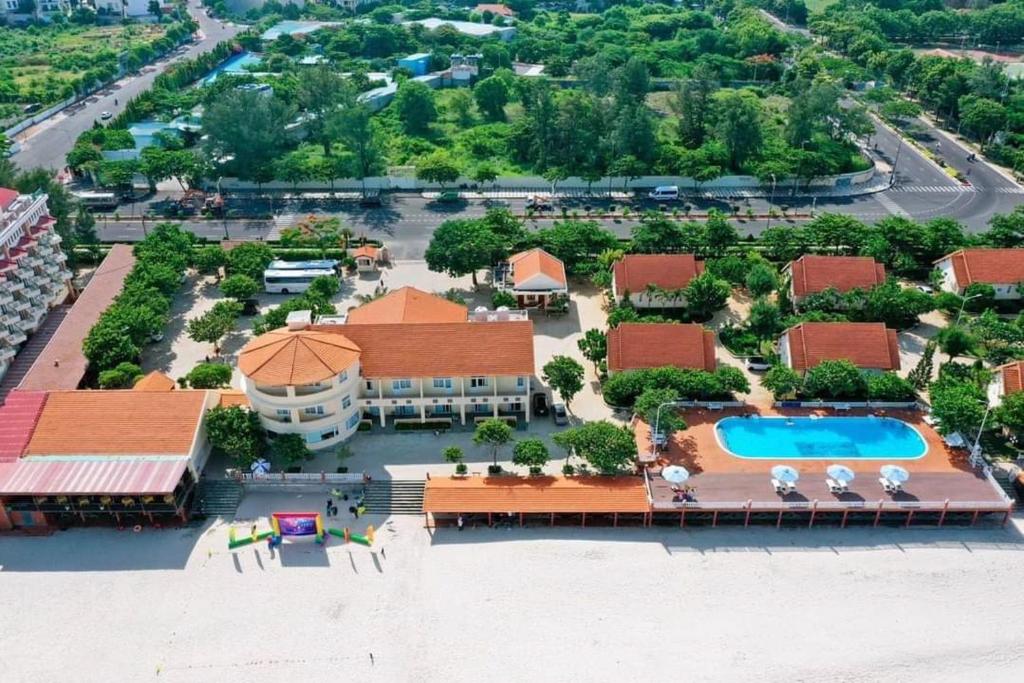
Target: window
{"type": "Point", "coordinates": [405, 410]}
{"type": "Point", "coordinates": [329, 434]}
{"type": "Point", "coordinates": [313, 437]}
{"type": "Point", "coordinates": [442, 382]}
{"type": "Point", "coordinates": [520, 382]}
{"type": "Point", "coordinates": [313, 410]}
{"type": "Point", "coordinates": [442, 409]}
{"type": "Point", "coordinates": [401, 384]}
{"type": "Point", "coordinates": [477, 382]}
{"type": "Point", "coordinates": [352, 421]}
{"type": "Point", "coordinates": [284, 415]}
{"type": "Point", "coordinates": [369, 385]}
{"type": "Point", "coordinates": [481, 408]}
{"type": "Point", "coordinates": [343, 377]}
{"type": "Point", "coordinates": [346, 402]}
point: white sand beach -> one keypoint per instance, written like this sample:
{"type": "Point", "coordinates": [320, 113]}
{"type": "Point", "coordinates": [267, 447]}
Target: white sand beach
{"type": "Point", "coordinates": [515, 605]}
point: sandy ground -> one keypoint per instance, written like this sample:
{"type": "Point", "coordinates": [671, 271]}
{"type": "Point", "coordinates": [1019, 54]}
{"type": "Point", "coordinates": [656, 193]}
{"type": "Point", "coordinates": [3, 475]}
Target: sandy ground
{"type": "Point", "coordinates": [514, 605]}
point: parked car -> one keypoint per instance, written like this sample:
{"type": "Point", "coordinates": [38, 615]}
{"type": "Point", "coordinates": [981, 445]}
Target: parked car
{"type": "Point", "coordinates": [559, 414]}
{"type": "Point", "coordinates": [664, 193]}
{"type": "Point", "coordinates": [926, 289]}
{"type": "Point", "coordinates": [540, 405]}
{"type": "Point", "coordinates": [540, 202]}
{"type": "Point", "coordinates": [106, 115]}
{"type": "Point", "coordinates": [449, 197]}
{"type": "Point", "coordinates": [755, 363]}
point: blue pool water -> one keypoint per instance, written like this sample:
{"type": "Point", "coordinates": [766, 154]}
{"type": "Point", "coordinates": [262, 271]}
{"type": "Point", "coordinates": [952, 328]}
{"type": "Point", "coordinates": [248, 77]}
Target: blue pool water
{"type": "Point", "coordinates": [234, 65]}
{"type": "Point", "coordinates": [822, 438]}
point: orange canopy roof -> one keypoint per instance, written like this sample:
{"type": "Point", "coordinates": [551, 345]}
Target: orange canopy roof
{"type": "Point", "coordinates": [408, 305]}
{"type": "Point", "coordinates": [535, 494]}
{"type": "Point", "coordinates": [284, 357]}
{"type": "Point", "coordinates": [668, 271]}
{"type": "Point", "coordinates": [632, 346]}
{"type": "Point", "coordinates": [528, 264]}
{"type": "Point", "coordinates": [155, 381]}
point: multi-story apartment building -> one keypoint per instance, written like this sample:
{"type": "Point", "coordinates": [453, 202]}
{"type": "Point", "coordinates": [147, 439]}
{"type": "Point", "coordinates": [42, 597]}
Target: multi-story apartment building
{"type": "Point", "coordinates": [33, 273]}
{"type": "Point", "coordinates": [321, 381]}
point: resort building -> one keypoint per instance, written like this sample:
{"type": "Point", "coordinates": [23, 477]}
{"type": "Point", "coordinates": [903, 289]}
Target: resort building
{"type": "Point", "coordinates": [869, 346]}
{"type": "Point", "coordinates": [497, 10]}
{"type": "Point", "coordinates": [633, 346]}
{"type": "Point", "coordinates": [811, 274]}
{"type": "Point", "coordinates": [33, 273]}
{"type": "Point", "coordinates": [534, 277]}
{"type": "Point", "coordinates": [81, 456]}
{"type": "Point", "coordinates": [322, 381]}
{"type": "Point", "coordinates": [408, 305]}
{"type": "Point", "coordinates": [1001, 268]}
{"type": "Point", "coordinates": [1008, 379]}
{"type": "Point", "coordinates": [654, 280]}
{"type": "Point", "coordinates": [467, 28]}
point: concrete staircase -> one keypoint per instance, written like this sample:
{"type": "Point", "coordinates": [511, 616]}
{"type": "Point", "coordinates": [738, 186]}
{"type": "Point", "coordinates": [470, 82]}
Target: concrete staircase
{"type": "Point", "coordinates": [217, 497]}
{"type": "Point", "coordinates": [1005, 478]}
{"type": "Point", "coordinates": [394, 497]}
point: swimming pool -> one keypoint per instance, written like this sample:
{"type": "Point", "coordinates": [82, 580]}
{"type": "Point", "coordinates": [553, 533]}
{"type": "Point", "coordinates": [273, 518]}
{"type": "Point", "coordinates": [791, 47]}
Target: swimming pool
{"type": "Point", "coordinates": [820, 438]}
{"type": "Point", "coordinates": [233, 66]}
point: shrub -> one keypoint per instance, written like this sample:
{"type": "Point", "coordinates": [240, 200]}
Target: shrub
{"type": "Point", "coordinates": [888, 386]}
{"type": "Point", "coordinates": [622, 388]}
{"type": "Point", "coordinates": [121, 377]}
{"type": "Point", "coordinates": [209, 376]}
{"type": "Point", "coordinates": [503, 298]}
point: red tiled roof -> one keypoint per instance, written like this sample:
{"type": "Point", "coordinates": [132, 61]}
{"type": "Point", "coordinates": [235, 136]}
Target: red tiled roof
{"type": "Point", "coordinates": [1013, 377]}
{"type": "Point", "coordinates": [535, 494]}
{"type": "Point", "coordinates": [441, 349]}
{"type": "Point", "coordinates": [18, 417]}
{"type": "Point", "coordinates": [7, 197]}
{"type": "Point", "coordinates": [528, 264]}
{"type": "Point", "coordinates": [812, 273]}
{"type": "Point", "coordinates": [632, 346]}
{"type": "Point", "coordinates": [61, 365]}
{"type": "Point", "coordinates": [408, 305]}
{"type": "Point", "coordinates": [155, 381]}
{"type": "Point", "coordinates": [367, 250]}
{"type": "Point", "coordinates": [989, 266]}
{"type": "Point", "coordinates": [668, 271]}
{"type": "Point", "coordinates": [503, 10]}
{"type": "Point", "coordinates": [289, 357]}
{"type": "Point", "coordinates": [867, 345]}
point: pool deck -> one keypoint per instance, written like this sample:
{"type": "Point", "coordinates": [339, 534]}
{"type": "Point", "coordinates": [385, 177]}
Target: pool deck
{"type": "Point", "coordinates": [940, 481]}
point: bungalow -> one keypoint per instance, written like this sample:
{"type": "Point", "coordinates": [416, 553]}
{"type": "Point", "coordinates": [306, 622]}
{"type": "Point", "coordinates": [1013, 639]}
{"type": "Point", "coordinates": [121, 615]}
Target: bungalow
{"type": "Point", "coordinates": [368, 257]}
{"type": "Point", "coordinates": [649, 280]}
{"type": "Point", "coordinates": [869, 346]}
{"type": "Point", "coordinates": [1009, 379]}
{"type": "Point", "coordinates": [1001, 268]}
{"type": "Point", "coordinates": [408, 305]}
{"type": "Point", "coordinates": [634, 346]}
{"type": "Point", "coordinates": [811, 274]}
{"type": "Point", "coordinates": [322, 381]}
{"type": "Point", "coordinates": [129, 456]}
{"type": "Point", "coordinates": [495, 9]}
{"type": "Point", "coordinates": [534, 277]}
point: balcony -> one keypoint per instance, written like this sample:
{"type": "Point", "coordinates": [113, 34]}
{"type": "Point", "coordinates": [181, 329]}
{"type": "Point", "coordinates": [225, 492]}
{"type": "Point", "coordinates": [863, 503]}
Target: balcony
{"type": "Point", "coordinates": [7, 319]}
{"type": "Point", "coordinates": [14, 336]}
{"type": "Point", "coordinates": [29, 325]}
{"type": "Point", "coordinates": [20, 305]}
{"type": "Point", "coordinates": [6, 297]}
{"type": "Point", "coordinates": [7, 353]}
{"type": "Point", "coordinates": [14, 285]}
{"type": "Point", "coordinates": [317, 420]}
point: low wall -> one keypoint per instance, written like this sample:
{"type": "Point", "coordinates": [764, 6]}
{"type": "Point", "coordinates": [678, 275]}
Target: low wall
{"type": "Point", "coordinates": [867, 405]}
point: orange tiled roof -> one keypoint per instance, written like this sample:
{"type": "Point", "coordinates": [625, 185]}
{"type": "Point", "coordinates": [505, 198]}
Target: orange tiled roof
{"type": "Point", "coordinates": [633, 346]}
{"type": "Point", "coordinates": [529, 264]}
{"type": "Point", "coordinates": [668, 271]}
{"type": "Point", "coordinates": [812, 273]}
{"type": "Point", "coordinates": [867, 345]}
{"type": "Point", "coordinates": [990, 266]}
{"type": "Point", "coordinates": [441, 349]}
{"type": "Point", "coordinates": [282, 357]}
{"type": "Point", "coordinates": [233, 397]}
{"type": "Point", "coordinates": [535, 494]}
{"type": "Point", "coordinates": [155, 381]}
{"type": "Point", "coordinates": [503, 10]}
{"type": "Point", "coordinates": [408, 305]}
{"type": "Point", "coordinates": [367, 250]}
{"type": "Point", "coordinates": [124, 422]}
{"type": "Point", "coordinates": [1013, 377]}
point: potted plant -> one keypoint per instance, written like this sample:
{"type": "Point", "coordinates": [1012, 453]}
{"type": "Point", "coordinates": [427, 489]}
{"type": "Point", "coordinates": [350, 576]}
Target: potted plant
{"type": "Point", "coordinates": [453, 454]}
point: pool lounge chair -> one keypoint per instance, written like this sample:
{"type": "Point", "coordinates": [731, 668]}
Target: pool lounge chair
{"type": "Point", "coordinates": [836, 486]}
{"type": "Point", "coordinates": [889, 486]}
{"type": "Point", "coordinates": [781, 487]}
{"type": "Point", "coordinates": [839, 407]}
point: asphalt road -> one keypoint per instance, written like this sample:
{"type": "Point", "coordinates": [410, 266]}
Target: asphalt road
{"type": "Point", "coordinates": [47, 143]}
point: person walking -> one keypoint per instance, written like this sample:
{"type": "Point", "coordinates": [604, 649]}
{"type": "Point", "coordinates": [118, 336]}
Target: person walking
{"type": "Point", "coordinates": [382, 553]}
{"type": "Point", "coordinates": [460, 522]}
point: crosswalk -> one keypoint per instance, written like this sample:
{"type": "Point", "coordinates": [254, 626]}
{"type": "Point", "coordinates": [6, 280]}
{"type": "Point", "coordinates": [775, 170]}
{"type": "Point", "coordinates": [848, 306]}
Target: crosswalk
{"type": "Point", "coordinates": [955, 189]}
{"type": "Point", "coordinates": [282, 221]}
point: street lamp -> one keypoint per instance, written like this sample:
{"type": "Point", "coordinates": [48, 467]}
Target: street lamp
{"type": "Point", "coordinates": [895, 161]}
{"type": "Point", "coordinates": [771, 203]}
{"type": "Point", "coordinates": [976, 448]}
{"type": "Point", "coordinates": [657, 421]}
{"type": "Point", "coordinates": [962, 304]}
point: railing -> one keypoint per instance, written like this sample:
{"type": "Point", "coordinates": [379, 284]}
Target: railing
{"type": "Point", "coordinates": [846, 405]}
{"type": "Point", "coordinates": [835, 506]}
{"type": "Point", "coordinates": [350, 478]}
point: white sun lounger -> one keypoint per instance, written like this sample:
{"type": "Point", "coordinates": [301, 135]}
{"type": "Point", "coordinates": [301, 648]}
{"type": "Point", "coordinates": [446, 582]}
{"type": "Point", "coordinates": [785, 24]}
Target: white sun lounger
{"type": "Point", "coordinates": [781, 486]}
{"type": "Point", "coordinates": [836, 486]}
{"type": "Point", "coordinates": [889, 486]}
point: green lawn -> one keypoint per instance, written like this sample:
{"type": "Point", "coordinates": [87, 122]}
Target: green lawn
{"type": "Point", "coordinates": [818, 5]}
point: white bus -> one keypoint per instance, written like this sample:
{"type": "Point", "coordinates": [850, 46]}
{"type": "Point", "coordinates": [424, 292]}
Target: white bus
{"type": "Point", "coordinates": [326, 264]}
{"type": "Point", "coordinates": [96, 200]}
{"type": "Point", "coordinates": [292, 280]}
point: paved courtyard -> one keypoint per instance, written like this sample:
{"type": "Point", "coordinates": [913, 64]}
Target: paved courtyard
{"type": "Point", "coordinates": [505, 605]}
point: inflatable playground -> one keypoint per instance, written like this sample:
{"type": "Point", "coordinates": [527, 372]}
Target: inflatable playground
{"type": "Point", "coordinates": [297, 527]}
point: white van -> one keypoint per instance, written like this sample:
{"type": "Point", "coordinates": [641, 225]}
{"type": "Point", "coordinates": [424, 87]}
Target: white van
{"type": "Point", "coordinates": [664, 193]}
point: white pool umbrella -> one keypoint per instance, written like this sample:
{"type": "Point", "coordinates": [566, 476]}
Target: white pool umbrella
{"type": "Point", "coordinates": [675, 474]}
{"type": "Point", "coordinates": [261, 466]}
{"type": "Point", "coordinates": [895, 473]}
{"type": "Point", "coordinates": [785, 474]}
{"type": "Point", "coordinates": [841, 473]}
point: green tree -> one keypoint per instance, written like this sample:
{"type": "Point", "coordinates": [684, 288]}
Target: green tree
{"type": "Point", "coordinates": [289, 449]}
{"type": "Point", "coordinates": [209, 376]}
{"type": "Point", "coordinates": [610, 449]}
{"type": "Point", "coordinates": [836, 233]}
{"type": "Point", "coordinates": [414, 103]}
{"type": "Point", "coordinates": [594, 346]}
{"type": "Point", "coordinates": [783, 244]}
{"type": "Point", "coordinates": [485, 172]}
{"type": "Point", "coordinates": [249, 129]}
{"type": "Point", "coordinates": [121, 377]}
{"type": "Point", "coordinates": [462, 247]}
{"type": "Point", "coordinates": [214, 324]}
{"type": "Point", "coordinates": [835, 379]}
{"type": "Point", "coordinates": [109, 344]}
{"type": "Point", "coordinates": [764, 319]}
{"type": "Point", "coordinates": [692, 104]}
{"type": "Point", "coordinates": [155, 165]}
{"type": "Point", "coordinates": [491, 95]}
{"type": "Point", "coordinates": [454, 455]}
{"type": "Point", "coordinates": [577, 243]}
{"type": "Point", "coordinates": [955, 341]}
{"type": "Point", "coordinates": [565, 375]}
{"type": "Point", "coordinates": [531, 453]}
{"type": "Point", "coordinates": [738, 125]}
{"type": "Point", "coordinates": [319, 91]}
{"type": "Point", "coordinates": [236, 432]}
{"type": "Point", "coordinates": [705, 295]}
{"type": "Point", "coordinates": [668, 419]}
{"type": "Point", "coordinates": [888, 386]}
{"type": "Point", "coordinates": [209, 259]}
{"type": "Point", "coordinates": [956, 407]}
{"type": "Point", "coordinates": [250, 258]}
{"type": "Point", "coordinates": [494, 434]}
{"type": "Point", "coordinates": [355, 127]}
{"type": "Point", "coordinates": [502, 298]}
{"type": "Point", "coordinates": [438, 167]}
{"type": "Point", "coordinates": [657, 235]}
{"type": "Point", "coordinates": [239, 287]}
{"type": "Point", "coordinates": [783, 382]}
{"type": "Point", "coordinates": [719, 236]}
{"type": "Point", "coordinates": [761, 280]}
{"type": "Point", "coordinates": [1010, 413]}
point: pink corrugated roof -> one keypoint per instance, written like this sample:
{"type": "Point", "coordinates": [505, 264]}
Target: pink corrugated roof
{"type": "Point", "coordinates": [18, 417]}
{"type": "Point", "coordinates": [91, 477]}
